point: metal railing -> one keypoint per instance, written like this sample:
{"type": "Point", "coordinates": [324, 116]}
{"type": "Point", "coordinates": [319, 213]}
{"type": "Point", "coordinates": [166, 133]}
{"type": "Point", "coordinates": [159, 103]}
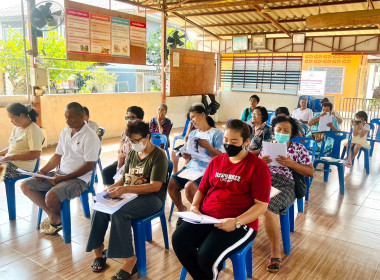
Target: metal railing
{"type": "Point", "coordinates": [348, 107]}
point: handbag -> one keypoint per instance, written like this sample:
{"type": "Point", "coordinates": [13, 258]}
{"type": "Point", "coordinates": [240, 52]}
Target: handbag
{"type": "Point", "coordinates": [300, 184]}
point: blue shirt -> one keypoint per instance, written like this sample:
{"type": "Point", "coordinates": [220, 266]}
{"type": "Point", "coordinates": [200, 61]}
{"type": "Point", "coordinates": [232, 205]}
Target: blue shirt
{"type": "Point", "coordinates": [214, 137]}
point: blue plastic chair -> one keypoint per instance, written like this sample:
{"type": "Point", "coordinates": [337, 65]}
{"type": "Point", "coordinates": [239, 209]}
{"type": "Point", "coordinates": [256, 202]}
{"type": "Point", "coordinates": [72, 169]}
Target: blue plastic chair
{"type": "Point", "coordinates": [366, 151]}
{"type": "Point", "coordinates": [142, 231]}
{"type": "Point", "coordinates": [338, 137]}
{"type": "Point", "coordinates": [11, 192]}
{"type": "Point", "coordinates": [311, 145]}
{"type": "Point", "coordinates": [317, 105]}
{"type": "Point", "coordinates": [375, 137]}
{"type": "Point", "coordinates": [309, 101]}
{"type": "Point", "coordinates": [270, 115]}
{"type": "Point", "coordinates": [159, 139]}
{"type": "Point", "coordinates": [181, 137]}
{"type": "Point", "coordinates": [287, 226]}
{"type": "Point", "coordinates": [99, 162]}
{"type": "Point", "coordinates": [241, 262]}
{"type": "Point", "coordinates": [65, 209]}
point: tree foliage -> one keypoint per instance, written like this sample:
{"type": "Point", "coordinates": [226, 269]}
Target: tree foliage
{"type": "Point", "coordinates": [99, 80]}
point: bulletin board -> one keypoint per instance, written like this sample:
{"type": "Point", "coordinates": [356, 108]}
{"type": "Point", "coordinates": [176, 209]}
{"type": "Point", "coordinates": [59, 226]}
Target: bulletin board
{"type": "Point", "coordinates": [102, 35]}
{"type": "Point", "coordinates": [192, 72]}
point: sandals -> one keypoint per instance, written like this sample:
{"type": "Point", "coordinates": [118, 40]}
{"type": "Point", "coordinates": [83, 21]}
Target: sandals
{"type": "Point", "coordinates": [52, 229]}
{"type": "Point", "coordinates": [99, 262]}
{"type": "Point", "coordinates": [45, 224]}
{"type": "Point", "coordinates": [274, 265]}
{"type": "Point", "coordinates": [123, 275]}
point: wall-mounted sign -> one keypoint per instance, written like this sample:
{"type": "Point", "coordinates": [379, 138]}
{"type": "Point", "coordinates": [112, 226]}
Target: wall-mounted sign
{"type": "Point", "coordinates": [312, 83]}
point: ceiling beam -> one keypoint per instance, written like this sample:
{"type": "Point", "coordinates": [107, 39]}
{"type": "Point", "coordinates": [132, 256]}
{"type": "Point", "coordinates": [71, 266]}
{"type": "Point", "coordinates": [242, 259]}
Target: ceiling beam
{"type": "Point", "coordinates": [139, 5]}
{"type": "Point", "coordinates": [285, 7]}
{"type": "Point", "coordinates": [370, 2]}
{"type": "Point", "coordinates": [196, 25]}
{"type": "Point", "coordinates": [146, 2]}
{"type": "Point", "coordinates": [354, 18]}
{"type": "Point", "coordinates": [213, 6]}
{"type": "Point", "coordinates": [249, 23]}
{"type": "Point", "coordinates": [178, 5]}
{"type": "Point", "coordinates": [272, 20]}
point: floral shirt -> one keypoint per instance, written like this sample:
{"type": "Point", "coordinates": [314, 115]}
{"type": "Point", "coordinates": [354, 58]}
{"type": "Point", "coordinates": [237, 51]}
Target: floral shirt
{"type": "Point", "coordinates": [125, 146]}
{"type": "Point", "coordinates": [298, 153]}
{"type": "Point", "coordinates": [262, 133]}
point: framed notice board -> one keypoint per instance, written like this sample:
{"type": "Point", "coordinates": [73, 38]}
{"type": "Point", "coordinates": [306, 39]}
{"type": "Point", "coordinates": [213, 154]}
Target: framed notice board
{"type": "Point", "coordinates": [102, 35]}
{"type": "Point", "coordinates": [191, 72]}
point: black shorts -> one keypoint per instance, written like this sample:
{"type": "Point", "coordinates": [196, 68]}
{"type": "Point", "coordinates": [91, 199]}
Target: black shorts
{"type": "Point", "coordinates": [181, 182]}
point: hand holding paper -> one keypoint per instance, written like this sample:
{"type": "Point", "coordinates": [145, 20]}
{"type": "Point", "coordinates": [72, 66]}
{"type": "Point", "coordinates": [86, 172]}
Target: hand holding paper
{"type": "Point", "coordinates": [274, 150]}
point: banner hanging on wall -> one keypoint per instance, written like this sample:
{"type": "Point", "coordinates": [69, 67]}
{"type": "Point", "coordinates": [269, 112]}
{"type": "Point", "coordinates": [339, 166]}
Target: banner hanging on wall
{"type": "Point", "coordinates": [312, 83]}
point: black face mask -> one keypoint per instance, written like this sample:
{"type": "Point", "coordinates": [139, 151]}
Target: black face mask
{"type": "Point", "coordinates": [232, 150]}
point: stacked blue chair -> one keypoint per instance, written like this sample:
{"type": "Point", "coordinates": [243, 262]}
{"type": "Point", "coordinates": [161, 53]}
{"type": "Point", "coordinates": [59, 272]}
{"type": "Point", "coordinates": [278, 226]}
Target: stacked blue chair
{"type": "Point", "coordinates": [338, 137]}
{"type": "Point", "coordinates": [309, 101]}
{"type": "Point", "coordinates": [159, 139]}
{"type": "Point", "coordinates": [375, 137]}
{"type": "Point", "coordinates": [241, 262]}
{"type": "Point", "coordinates": [181, 137]}
{"type": "Point", "coordinates": [99, 162]}
{"type": "Point", "coordinates": [317, 105]}
{"type": "Point", "coordinates": [10, 191]}
{"type": "Point", "coordinates": [142, 231]}
{"type": "Point", "coordinates": [65, 210]}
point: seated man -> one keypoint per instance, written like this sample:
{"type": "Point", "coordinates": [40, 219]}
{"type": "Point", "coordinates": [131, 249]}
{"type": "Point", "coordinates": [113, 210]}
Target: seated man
{"type": "Point", "coordinates": [315, 129]}
{"type": "Point", "coordinates": [93, 125]}
{"type": "Point", "coordinates": [75, 156]}
{"type": "Point", "coordinates": [303, 114]}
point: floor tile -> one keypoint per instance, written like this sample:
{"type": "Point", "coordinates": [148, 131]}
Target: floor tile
{"type": "Point", "coordinates": [361, 237]}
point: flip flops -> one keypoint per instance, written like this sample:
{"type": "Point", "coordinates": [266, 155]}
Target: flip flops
{"type": "Point", "coordinates": [53, 229]}
{"type": "Point", "coordinates": [99, 262]}
{"type": "Point", "coordinates": [123, 275]}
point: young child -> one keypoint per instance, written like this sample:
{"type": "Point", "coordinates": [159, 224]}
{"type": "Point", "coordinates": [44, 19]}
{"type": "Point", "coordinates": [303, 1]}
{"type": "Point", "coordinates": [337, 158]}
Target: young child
{"type": "Point", "coordinates": [360, 129]}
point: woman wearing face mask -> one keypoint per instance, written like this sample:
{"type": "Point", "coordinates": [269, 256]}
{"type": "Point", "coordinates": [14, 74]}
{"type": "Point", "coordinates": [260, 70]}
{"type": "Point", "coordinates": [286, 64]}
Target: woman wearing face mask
{"type": "Point", "coordinates": [150, 164]}
{"type": "Point", "coordinates": [235, 189]}
{"type": "Point", "coordinates": [133, 113]}
{"type": "Point", "coordinates": [298, 160]}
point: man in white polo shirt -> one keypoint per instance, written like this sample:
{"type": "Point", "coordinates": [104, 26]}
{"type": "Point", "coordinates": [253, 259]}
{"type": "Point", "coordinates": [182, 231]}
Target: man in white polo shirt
{"type": "Point", "coordinates": [75, 157]}
{"type": "Point", "coordinates": [303, 114]}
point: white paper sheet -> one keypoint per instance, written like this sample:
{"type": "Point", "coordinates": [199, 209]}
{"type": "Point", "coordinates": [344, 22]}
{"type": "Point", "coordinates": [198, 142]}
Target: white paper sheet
{"type": "Point", "coordinates": [274, 192]}
{"type": "Point", "coordinates": [197, 152]}
{"type": "Point", "coordinates": [118, 174]}
{"type": "Point", "coordinates": [190, 174]}
{"type": "Point", "coordinates": [110, 206]}
{"type": "Point", "coordinates": [193, 218]}
{"type": "Point", "coordinates": [323, 122]}
{"type": "Point", "coordinates": [24, 172]}
{"type": "Point", "coordinates": [273, 150]}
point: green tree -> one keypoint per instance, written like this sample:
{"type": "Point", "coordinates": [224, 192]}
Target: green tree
{"type": "Point", "coordinates": [12, 60]}
{"type": "Point", "coordinates": [99, 81]}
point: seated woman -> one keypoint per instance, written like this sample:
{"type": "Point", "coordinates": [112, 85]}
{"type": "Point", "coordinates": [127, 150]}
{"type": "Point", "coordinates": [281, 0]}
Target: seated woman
{"type": "Point", "coordinates": [235, 189]}
{"type": "Point", "coordinates": [333, 125]}
{"type": "Point", "coordinates": [150, 163]}
{"type": "Point", "coordinates": [261, 131]}
{"type": "Point", "coordinates": [284, 112]}
{"type": "Point", "coordinates": [25, 142]}
{"type": "Point", "coordinates": [161, 124]}
{"type": "Point", "coordinates": [335, 113]}
{"type": "Point", "coordinates": [360, 129]}
{"type": "Point", "coordinates": [207, 139]}
{"type": "Point", "coordinates": [133, 113]}
{"type": "Point", "coordinates": [298, 160]}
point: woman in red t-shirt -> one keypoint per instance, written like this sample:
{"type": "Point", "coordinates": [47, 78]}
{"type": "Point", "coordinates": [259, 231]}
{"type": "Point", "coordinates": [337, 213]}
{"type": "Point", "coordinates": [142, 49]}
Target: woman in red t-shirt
{"type": "Point", "coordinates": [235, 189]}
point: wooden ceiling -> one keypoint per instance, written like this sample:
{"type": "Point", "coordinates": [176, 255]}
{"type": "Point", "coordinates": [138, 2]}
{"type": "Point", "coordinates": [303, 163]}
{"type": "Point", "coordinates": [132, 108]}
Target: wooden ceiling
{"type": "Point", "coordinates": [222, 19]}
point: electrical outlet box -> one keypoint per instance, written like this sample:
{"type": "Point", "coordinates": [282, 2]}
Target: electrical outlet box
{"type": "Point", "coordinates": [38, 77]}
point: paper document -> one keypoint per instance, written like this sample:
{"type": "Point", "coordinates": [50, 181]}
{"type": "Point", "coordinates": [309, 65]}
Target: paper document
{"type": "Point", "coordinates": [274, 192]}
{"type": "Point", "coordinates": [190, 174]}
{"type": "Point", "coordinates": [110, 205]}
{"type": "Point", "coordinates": [323, 122]}
{"type": "Point", "coordinates": [118, 174]}
{"type": "Point", "coordinates": [193, 218]}
{"type": "Point", "coordinates": [273, 150]}
{"type": "Point", "coordinates": [332, 159]}
{"type": "Point", "coordinates": [24, 172]}
{"type": "Point", "coordinates": [197, 152]}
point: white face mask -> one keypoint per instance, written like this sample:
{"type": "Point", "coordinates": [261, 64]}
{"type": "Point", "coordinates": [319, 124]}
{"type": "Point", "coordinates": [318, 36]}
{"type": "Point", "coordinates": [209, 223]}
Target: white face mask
{"type": "Point", "coordinates": [139, 147]}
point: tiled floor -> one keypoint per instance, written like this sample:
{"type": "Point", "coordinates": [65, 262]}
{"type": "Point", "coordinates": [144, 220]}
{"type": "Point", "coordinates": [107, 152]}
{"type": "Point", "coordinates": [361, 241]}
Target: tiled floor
{"type": "Point", "coordinates": [337, 237]}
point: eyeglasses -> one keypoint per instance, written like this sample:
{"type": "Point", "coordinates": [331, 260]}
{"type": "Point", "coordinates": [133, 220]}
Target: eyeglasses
{"type": "Point", "coordinates": [130, 118]}
{"type": "Point", "coordinates": [134, 141]}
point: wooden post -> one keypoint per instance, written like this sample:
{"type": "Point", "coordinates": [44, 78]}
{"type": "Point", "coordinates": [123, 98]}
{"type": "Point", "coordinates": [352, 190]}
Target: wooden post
{"type": "Point", "coordinates": [163, 60]}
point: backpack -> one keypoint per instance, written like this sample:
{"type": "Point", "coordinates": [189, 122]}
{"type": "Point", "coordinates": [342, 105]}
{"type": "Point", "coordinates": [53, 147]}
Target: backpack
{"type": "Point", "coordinates": [246, 114]}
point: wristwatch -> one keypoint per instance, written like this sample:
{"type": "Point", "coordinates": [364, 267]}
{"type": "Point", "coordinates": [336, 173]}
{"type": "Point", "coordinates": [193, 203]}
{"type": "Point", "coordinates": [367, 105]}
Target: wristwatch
{"type": "Point", "coordinates": [237, 224]}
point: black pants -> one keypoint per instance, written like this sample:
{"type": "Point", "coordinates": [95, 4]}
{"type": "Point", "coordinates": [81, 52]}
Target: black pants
{"type": "Point", "coordinates": [108, 173]}
{"type": "Point", "coordinates": [202, 249]}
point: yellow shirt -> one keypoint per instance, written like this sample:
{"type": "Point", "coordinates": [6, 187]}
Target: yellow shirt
{"type": "Point", "coordinates": [24, 140]}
